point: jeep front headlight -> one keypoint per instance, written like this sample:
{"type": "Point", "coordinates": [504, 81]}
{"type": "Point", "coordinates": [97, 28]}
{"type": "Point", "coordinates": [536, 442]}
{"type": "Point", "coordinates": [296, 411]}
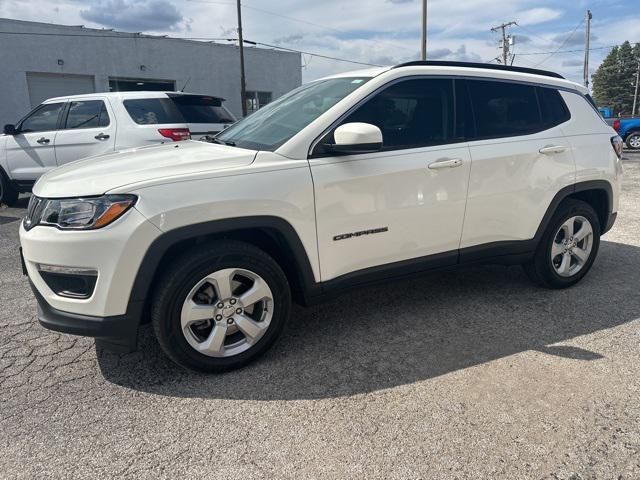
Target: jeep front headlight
{"type": "Point", "coordinates": [88, 213]}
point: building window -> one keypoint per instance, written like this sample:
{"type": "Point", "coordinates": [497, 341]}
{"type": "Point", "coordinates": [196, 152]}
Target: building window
{"type": "Point", "coordinates": [141, 84]}
{"type": "Point", "coordinates": [257, 100]}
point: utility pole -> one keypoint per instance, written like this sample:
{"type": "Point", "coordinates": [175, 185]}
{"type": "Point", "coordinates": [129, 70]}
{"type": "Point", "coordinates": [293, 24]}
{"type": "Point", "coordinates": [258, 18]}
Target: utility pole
{"type": "Point", "coordinates": [243, 85]}
{"type": "Point", "coordinates": [635, 95]}
{"type": "Point", "coordinates": [506, 41]}
{"type": "Point", "coordinates": [587, 37]}
{"type": "Point", "coordinates": [423, 54]}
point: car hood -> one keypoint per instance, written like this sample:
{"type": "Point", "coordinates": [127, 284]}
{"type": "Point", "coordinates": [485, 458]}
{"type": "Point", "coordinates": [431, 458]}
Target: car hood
{"type": "Point", "coordinates": [100, 174]}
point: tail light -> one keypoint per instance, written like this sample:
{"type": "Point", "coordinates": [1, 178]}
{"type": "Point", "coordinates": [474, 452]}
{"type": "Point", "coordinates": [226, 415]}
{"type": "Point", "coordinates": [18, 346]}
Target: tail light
{"type": "Point", "coordinates": [616, 125]}
{"type": "Point", "coordinates": [175, 134]}
{"type": "Point", "coordinates": [617, 143]}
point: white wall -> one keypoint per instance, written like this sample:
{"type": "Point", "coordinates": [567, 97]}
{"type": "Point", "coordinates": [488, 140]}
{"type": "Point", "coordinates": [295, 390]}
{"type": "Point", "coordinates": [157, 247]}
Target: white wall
{"type": "Point", "coordinates": [210, 68]}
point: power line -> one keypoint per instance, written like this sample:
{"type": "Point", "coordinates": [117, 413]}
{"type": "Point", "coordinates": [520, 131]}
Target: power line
{"type": "Point", "coordinates": [164, 37]}
{"type": "Point", "coordinates": [566, 40]}
{"type": "Point", "coordinates": [299, 20]}
{"type": "Point", "coordinates": [116, 35]}
{"type": "Point", "coordinates": [313, 54]}
{"type": "Point", "coordinates": [581, 50]}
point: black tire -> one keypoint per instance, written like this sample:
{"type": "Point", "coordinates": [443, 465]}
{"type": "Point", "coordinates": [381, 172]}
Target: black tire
{"type": "Point", "coordinates": [185, 272]}
{"type": "Point", "coordinates": [540, 269]}
{"type": "Point", "coordinates": [8, 191]}
{"type": "Point", "coordinates": [633, 138]}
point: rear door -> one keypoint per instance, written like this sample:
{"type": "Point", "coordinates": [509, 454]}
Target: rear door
{"type": "Point", "coordinates": [31, 151]}
{"type": "Point", "coordinates": [205, 115]}
{"type": "Point", "coordinates": [520, 159]}
{"type": "Point", "coordinates": [88, 128]}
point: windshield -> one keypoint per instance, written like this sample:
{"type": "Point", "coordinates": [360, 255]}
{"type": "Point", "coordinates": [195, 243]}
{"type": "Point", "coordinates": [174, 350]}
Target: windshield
{"type": "Point", "coordinates": [273, 125]}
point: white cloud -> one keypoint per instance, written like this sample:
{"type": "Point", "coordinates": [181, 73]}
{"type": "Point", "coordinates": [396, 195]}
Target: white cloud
{"type": "Point", "coordinates": [538, 15]}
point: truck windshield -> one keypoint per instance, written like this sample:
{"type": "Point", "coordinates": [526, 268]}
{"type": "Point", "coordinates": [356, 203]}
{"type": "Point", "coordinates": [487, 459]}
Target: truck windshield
{"type": "Point", "coordinates": [273, 125]}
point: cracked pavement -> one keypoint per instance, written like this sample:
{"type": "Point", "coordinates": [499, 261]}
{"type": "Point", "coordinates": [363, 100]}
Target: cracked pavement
{"type": "Point", "coordinates": [463, 374]}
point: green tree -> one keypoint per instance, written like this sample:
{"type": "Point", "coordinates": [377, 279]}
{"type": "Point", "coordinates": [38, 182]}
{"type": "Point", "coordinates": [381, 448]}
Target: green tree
{"type": "Point", "coordinates": [614, 81]}
{"type": "Point", "coordinates": [604, 80]}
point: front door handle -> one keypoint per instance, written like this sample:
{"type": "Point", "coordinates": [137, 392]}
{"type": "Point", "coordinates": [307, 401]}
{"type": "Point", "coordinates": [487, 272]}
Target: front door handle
{"type": "Point", "coordinates": [43, 141]}
{"type": "Point", "coordinates": [101, 136]}
{"type": "Point", "coordinates": [551, 149]}
{"type": "Point", "coordinates": [445, 163]}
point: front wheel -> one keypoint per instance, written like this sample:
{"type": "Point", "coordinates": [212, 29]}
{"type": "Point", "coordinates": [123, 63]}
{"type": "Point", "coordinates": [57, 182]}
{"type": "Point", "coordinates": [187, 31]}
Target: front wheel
{"type": "Point", "coordinates": [568, 247]}
{"type": "Point", "coordinates": [220, 306]}
{"type": "Point", "coordinates": [8, 191]}
{"type": "Point", "coordinates": [633, 140]}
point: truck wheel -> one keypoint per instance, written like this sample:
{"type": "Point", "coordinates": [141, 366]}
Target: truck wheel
{"type": "Point", "coordinates": [220, 306]}
{"type": "Point", "coordinates": [633, 140]}
{"type": "Point", "coordinates": [568, 246]}
{"type": "Point", "coordinates": [8, 191]}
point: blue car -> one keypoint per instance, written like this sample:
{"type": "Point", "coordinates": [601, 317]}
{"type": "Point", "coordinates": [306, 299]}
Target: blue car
{"type": "Point", "coordinates": [629, 131]}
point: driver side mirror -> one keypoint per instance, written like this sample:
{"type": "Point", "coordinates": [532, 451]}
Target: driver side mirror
{"type": "Point", "coordinates": [10, 129]}
{"type": "Point", "coordinates": [356, 137]}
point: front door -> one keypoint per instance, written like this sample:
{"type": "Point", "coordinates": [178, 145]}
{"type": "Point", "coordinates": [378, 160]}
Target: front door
{"type": "Point", "coordinates": [404, 202]}
{"type": "Point", "coordinates": [31, 151]}
{"type": "Point", "coordinates": [88, 129]}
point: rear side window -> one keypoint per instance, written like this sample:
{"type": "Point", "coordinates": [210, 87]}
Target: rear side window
{"type": "Point", "coordinates": [202, 109]}
{"type": "Point", "coordinates": [503, 109]}
{"type": "Point", "coordinates": [153, 111]}
{"type": "Point", "coordinates": [552, 107]}
{"type": "Point", "coordinates": [87, 114]}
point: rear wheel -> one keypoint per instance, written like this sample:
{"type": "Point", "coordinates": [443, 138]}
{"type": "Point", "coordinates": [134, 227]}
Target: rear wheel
{"type": "Point", "coordinates": [8, 191]}
{"type": "Point", "coordinates": [220, 306]}
{"type": "Point", "coordinates": [568, 247]}
{"type": "Point", "coordinates": [633, 140]}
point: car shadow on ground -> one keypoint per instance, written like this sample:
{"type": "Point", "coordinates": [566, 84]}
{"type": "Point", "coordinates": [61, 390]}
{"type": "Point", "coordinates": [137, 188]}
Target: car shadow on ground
{"type": "Point", "coordinates": [407, 331]}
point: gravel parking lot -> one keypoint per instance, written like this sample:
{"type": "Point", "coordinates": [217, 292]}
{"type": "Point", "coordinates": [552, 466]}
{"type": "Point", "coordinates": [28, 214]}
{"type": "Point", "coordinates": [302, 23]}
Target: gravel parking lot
{"type": "Point", "coordinates": [466, 374]}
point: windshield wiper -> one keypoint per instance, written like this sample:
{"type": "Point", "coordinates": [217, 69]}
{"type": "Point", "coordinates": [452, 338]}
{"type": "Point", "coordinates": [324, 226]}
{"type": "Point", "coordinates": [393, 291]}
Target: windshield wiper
{"type": "Point", "coordinates": [222, 142]}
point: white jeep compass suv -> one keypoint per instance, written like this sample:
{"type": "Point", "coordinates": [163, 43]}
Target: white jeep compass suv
{"type": "Point", "coordinates": [351, 179]}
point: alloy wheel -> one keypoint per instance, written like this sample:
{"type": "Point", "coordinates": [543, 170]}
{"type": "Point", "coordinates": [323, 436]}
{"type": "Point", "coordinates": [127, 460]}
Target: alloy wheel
{"type": "Point", "coordinates": [572, 245]}
{"type": "Point", "coordinates": [227, 312]}
{"type": "Point", "coordinates": [634, 141]}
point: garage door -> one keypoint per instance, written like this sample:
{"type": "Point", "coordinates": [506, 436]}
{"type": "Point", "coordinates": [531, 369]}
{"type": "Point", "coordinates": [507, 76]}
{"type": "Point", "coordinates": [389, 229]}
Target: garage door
{"type": "Point", "coordinates": [48, 85]}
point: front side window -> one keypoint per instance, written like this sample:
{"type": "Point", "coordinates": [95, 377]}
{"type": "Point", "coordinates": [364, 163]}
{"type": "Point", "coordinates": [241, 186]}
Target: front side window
{"type": "Point", "coordinates": [43, 119]}
{"type": "Point", "coordinates": [153, 111]}
{"type": "Point", "coordinates": [87, 114]}
{"type": "Point", "coordinates": [273, 125]}
{"type": "Point", "coordinates": [410, 113]}
{"type": "Point", "coordinates": [503, 109]}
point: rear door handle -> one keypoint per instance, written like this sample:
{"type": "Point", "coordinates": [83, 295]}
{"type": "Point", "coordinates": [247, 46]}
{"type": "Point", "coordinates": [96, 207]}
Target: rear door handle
{"type": "Point", "coordinates": [101, 136]}
{"type": "Point", "coordinates": [551, 149]}
{"type": "Point", "coordinates": [445, 163]}
{"type": "Point", "coordinates": [43, 141]}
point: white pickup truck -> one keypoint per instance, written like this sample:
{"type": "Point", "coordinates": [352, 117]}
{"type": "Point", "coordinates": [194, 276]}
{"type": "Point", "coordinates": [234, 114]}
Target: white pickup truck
{"type": "Point", "coordinates": [65, 129]}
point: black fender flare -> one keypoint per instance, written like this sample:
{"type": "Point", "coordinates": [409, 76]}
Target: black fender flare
{"type": "Point", "coordinates": [570, 190]}
{"type": "Point", "coordinates": [161, 245]}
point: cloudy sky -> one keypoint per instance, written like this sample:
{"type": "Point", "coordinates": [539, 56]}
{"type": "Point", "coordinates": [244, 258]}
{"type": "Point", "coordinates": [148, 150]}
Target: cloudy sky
{"type": "Point", "coordinates": [370, 31]}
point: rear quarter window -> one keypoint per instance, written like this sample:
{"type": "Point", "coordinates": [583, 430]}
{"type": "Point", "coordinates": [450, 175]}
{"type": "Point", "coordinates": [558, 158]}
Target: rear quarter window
{"type": "Point", "coordinates": [552, 107]}
{"type": "Point", "coordinates": [153, 111]}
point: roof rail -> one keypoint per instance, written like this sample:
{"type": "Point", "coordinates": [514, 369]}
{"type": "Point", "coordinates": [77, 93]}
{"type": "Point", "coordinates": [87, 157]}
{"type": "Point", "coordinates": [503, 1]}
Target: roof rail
{"type": "Point", "coordinates": [487, 66]}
